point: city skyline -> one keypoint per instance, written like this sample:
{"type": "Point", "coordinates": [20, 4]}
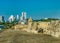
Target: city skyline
{"type": "Point", "coordinates": [35, 8]}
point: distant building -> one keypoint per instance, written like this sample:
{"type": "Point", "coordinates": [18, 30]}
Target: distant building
{"type": "Point", "coordinates": [23, 18]}
{"type": "Point", "coordinates": [17, 17]}
{"type": "Point", "coordinates": [2, 19]}
{"type": "Point", "coordinates": [46, 18]}
{"type": "Point", "coordinates": [11, 18]}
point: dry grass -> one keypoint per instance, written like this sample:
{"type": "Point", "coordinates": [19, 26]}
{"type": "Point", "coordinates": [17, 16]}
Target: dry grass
{"type": "Point", "coordinates": [24, 37]}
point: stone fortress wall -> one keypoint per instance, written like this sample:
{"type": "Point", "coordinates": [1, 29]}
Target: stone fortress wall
{"type": "Point", "coordinates": [52, 28]}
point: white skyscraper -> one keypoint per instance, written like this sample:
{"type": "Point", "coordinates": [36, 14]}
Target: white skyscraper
{"type": "Point", "coordinates": [2, 19]}
{"type": "Point", "coordinates": [24, 15]}
{"type": "Point", "coordinates": [11, 18]}
{"type": "Point", "coordinates": [23, 18]}
{"type": "Point", "coordinates": [18, 18]}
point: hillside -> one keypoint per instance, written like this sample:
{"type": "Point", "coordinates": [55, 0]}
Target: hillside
{"type": "Point", "coordinates": [12, 36]}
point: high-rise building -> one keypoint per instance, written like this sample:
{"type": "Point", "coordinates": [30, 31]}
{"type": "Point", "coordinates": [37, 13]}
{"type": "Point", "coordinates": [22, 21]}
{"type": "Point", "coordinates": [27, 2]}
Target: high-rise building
{"type": "Point", "coordinates": [24, 15]}
{"type": "Point", "coordinates": [17, 17]}
{"type": "Point", "coordinates": [2, 19]}
{"type": "Point", "coordinates": [11, 18]}
{"type": "Point", "coordinates": [23, 18]}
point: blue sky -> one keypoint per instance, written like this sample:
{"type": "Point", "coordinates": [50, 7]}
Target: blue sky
{"type": "Point", "coordinates": [35, 8]}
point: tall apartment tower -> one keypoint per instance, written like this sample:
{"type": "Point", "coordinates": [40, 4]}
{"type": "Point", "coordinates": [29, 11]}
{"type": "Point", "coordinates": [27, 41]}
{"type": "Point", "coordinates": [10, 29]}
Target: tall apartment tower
{"type": "Point", "coordinates": [2, 19]}
{"type": "Point", "coordinates": [23, 18]}
{"type": "Point", "coordinates": [11, 18]}
{"type": "Point", "coordinates": [17, 17]}
{"type": "Point", "coordinates": [24, 15]}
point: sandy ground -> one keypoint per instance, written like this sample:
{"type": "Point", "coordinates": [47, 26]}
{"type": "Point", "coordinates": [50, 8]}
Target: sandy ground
{"type": "Point", "coordinates": [15, 36]}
